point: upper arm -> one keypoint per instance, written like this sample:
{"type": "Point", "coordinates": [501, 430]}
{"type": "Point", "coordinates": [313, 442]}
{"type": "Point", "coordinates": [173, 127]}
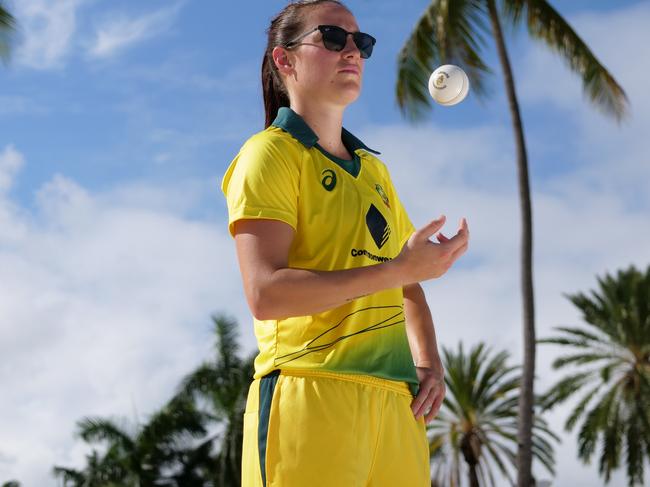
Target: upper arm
{"type": "Point", "coordinates": [262, 248]}
{"type": "Point", "coordinates": [261, 186]}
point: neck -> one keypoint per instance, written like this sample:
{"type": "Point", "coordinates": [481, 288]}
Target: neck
{"type": "Point", "coordinates": [327, 123]}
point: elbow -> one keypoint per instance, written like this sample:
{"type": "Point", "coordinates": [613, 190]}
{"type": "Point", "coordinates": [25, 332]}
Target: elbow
{"type": "Point", "coordinates": [412, 290]}
{"type": "Point", "coordinates": [262, 306]}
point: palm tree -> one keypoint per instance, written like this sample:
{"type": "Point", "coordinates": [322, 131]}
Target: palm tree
{"type": "Point", "coordinates": [222, 385]}
{"type": "Point", "coordinates": [11, 483]}
{"type": "Point", "coordinates": [476, 429]}
{"type": "Point", "coordinates": [158, 453]}
{"type": "Point", "coordinates": [7, 27]}
{"type": "Point", "coordinates": [455, 31]}
{"type": "Point", "coordinates": [613, 353]}
{"type": "Point", "coordinates": [177, 446]}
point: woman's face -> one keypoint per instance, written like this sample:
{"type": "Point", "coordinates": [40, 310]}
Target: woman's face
{"type": "Point", "coordinates": [315, 74]}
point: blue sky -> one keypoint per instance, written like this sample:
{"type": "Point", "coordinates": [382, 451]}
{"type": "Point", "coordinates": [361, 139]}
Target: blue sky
{"type": "Point", "coordinates": [117, 121]}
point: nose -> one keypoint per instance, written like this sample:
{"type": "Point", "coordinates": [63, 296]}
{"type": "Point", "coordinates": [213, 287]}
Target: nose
{"type": "Point", "coordinates": [350, 48]}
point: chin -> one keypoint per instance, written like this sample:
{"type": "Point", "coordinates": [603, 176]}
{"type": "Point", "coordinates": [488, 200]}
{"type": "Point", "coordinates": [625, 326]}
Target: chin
{"type": "Point", "coordinates": [347, 96]}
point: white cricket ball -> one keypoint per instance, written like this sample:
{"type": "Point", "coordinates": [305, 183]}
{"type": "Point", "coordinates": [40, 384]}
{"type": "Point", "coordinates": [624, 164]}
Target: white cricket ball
{"type": "Point", "coordinates": [448, 85]}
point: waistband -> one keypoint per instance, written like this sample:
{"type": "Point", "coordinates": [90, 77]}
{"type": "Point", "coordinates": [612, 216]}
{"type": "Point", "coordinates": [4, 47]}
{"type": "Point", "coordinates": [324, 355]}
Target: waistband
{"type": "Point", "coordinates": [390, 385]}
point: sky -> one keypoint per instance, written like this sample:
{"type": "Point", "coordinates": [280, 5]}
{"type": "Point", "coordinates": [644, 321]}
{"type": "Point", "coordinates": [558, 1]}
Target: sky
{"type": "Point", "coordinates": [118, 120]}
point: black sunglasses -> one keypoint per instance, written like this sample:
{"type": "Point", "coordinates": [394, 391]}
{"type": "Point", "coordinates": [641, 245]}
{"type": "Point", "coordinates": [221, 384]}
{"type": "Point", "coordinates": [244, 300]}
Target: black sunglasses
{"type": "Point", "coordinates": [335, 38]}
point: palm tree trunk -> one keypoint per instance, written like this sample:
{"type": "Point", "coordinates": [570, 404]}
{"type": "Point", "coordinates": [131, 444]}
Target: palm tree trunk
{"type": "Point", "coordinates": [473, 477]}
{"type": "Point", "coordinates": [524, 440]}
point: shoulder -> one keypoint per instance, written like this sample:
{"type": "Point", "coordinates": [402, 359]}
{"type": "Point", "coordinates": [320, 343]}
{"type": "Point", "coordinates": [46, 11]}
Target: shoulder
{"type": "Point", "coordinates": [271, 141]}
{"type": "Point", "coordinates": [376, 164]}
{"type": "Point", "coordinates": [270, 153]}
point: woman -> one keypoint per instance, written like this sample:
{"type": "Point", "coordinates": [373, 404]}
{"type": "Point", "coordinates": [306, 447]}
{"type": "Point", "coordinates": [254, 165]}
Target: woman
{"type": "Point", "coordinates": [348, 370]}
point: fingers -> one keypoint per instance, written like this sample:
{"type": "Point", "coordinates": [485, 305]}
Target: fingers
{"type": "Point", "coordinates": [438, 397]}
{"type": "Point", "coordinates": [461, 237]}
{"type": "Point", "coordinates": [458, 252]}
{"type": "Point", "coordinates": [417, 406]}
{"type": "Point", "coordinates": [430, 228]}
{"type": "Point", "coordinates": [428, 401]}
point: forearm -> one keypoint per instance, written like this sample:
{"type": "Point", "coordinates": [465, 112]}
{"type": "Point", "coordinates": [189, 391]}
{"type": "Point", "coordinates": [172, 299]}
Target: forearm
{"type": "Point", "coordinates": [419, 328]}
{"type": "Point", "coordinates": [298, 292]}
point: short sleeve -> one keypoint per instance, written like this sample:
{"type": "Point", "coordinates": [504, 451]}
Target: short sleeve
{"type": "Point", "coordinates": [402, 221]}
{"type": "Point", "coordinates": [263, 182]}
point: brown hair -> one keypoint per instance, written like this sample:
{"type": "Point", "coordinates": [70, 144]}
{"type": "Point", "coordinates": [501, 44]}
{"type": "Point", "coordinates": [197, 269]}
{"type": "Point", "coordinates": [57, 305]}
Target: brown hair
{"type": "Point", "coordinates": [285, 26]}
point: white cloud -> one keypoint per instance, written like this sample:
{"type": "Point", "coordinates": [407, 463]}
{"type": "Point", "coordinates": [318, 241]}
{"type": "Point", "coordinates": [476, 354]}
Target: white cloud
{"type": "Point", "coordinates": [46, 30]}
{"type": "Point", "coordinates": [105, 301]}
{"type": "Point", "coordinates": [119, 31]}
{"type": "Point", "coordinates": [10, 163]}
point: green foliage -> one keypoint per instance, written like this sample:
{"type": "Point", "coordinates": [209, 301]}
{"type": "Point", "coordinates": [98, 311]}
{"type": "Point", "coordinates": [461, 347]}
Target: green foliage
{"type": "Point", "coordinates": [457, 31]}
{"type": "Point", "coordinates": [477, 424]}
{"type": "Point", "coordinates": [7, 28]}
{"type": "Point", "coordinates": [448, 32]}
{"type": "Point", "coordinates": [614, 405]}
{"type": "Point", "coordinates": [175, 447]}
{"type": "Point", "coordinates": [222, 384]}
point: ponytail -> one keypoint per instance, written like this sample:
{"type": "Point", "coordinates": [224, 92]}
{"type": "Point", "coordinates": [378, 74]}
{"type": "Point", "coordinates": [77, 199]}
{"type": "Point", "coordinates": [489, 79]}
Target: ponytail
{"type": "Point", "coordinates": [285, 26]}
{"type": "Point", "coordinates": [275, 94]}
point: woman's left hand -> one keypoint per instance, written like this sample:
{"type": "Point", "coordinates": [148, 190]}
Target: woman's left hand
{"type": "Point", "coordinates": [431, 393]}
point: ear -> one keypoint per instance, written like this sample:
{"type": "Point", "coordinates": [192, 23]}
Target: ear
{"type": "Point", "coordinates": [282, 60]}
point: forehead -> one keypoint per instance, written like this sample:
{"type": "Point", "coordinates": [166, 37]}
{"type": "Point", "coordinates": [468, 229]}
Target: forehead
{"type": "Point", "coordinates": [332, 14]}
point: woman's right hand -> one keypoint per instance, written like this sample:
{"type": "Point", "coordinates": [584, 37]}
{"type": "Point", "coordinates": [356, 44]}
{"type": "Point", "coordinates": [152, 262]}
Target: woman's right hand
{"type": "Point", "coordinates": [421, 259]}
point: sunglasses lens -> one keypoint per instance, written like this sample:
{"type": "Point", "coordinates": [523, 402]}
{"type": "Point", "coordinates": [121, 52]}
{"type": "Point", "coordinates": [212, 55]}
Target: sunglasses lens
{"type": "Point", "coordinates": [334, 38]}
{"type": "Point", "coordinates": [365, 43]}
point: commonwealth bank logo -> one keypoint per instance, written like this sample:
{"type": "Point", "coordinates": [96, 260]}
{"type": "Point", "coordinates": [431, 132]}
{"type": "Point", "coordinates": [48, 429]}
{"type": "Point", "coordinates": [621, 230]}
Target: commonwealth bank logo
{"type": "Point", "coordinates": [378, 226]}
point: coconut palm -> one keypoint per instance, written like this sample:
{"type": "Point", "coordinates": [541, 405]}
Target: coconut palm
{"type": "Point", "coordinates": [612, 351]}
{"type": "Point", "coordinates": [455, 31]}
{"type": "Point", "coordinates": [221, 385]}
{"type": "Point", "coordinates": [195, 440]}
{"type": "Point", "coordinates": [7, 27]}
{"type": "Point", "coordinates": [474, 435]}
{"type": "Point", "coordinates": [158, 453]}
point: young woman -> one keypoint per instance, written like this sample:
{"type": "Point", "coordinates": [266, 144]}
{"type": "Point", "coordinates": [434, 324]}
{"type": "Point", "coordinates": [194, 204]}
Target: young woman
{"type": "Point", "coordinates": [348, 370]}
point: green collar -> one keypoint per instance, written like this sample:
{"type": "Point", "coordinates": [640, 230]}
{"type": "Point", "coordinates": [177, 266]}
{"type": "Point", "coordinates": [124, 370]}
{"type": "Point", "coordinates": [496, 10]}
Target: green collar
{"type": "Point", "coordinates": [291, 122]}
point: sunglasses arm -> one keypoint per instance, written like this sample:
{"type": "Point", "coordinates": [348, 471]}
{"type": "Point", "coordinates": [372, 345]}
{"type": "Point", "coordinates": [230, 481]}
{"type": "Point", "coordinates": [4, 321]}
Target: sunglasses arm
{"type": "Point", "coordinates": [288, 44]}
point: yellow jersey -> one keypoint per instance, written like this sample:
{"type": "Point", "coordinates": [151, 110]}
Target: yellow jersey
{"type": "Point", "coordinates": [345, 214]}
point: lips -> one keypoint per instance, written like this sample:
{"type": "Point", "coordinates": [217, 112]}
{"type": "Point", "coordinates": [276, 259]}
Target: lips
{"type": "Point", "coordinates": [350, 69]}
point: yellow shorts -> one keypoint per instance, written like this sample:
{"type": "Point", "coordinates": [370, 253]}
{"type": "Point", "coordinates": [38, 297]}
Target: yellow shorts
{"type": "Point", "coordinates": [316, 428]}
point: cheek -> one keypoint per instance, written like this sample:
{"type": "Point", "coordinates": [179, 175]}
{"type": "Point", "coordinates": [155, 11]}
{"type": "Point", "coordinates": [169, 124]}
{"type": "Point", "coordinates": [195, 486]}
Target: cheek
{"type": "Point", "coordinates": [321, 67]}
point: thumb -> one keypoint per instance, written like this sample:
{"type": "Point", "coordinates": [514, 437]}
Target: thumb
{"type": "Point", "coordinates": [430, 228]}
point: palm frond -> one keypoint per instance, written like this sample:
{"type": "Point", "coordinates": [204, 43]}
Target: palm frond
{"type": "Point", "coordinates": [7, 28]}
{"type": "Point", "coordinates": [447, 32]}
{"type": "Point", "coordinates": [100, 429]}
{"type": "Point", "coordinates": [595, 421]}
{"type": "Point", "coordinates": [565, 388]}
{"type": "Point", "coordinates": [582, 359]}
{"type": "Point", "coordinates": [634, 458]}
{"type": "Point", "coordinates": [547, 25]}
{"type": "Point", "coordinates": [176, 419]}
{"type": "Point", "coordinates": [612, 443]}
{"type": "Point", "coordinates": [227, 345]}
